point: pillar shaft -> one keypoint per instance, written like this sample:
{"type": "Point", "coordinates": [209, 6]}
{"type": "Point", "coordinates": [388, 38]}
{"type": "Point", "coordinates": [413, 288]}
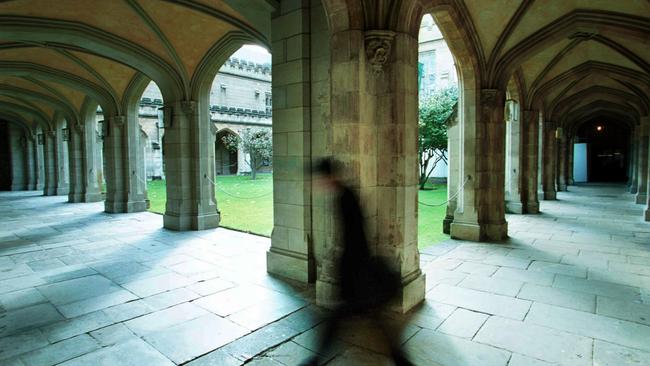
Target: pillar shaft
{"type": "Point", "coordinates": [374, 134]}
{"type": "Point", "coordinates": [292, 250]}
{"type": "Point", "coordinates": [76, 164]}
{"type": "Point", "coordinates": [514, 155]}
{"type": "Point", "coordinates": [569, 168]}
{"type": "Point", "coordinates": [549, 162]}
{"type": "Point", "coordinates": [530, 168]}
{"type": "Point", "coordinates": [481, 212]}
{"type": "Point", "coordinates": [454, 178]}
{"type": "Point", "coordinates": [125, 190]}
{"type": "Point", "coordinates": [642, 162]}
{"type": "Point", "coordinates": [62, 171]}
{"type": "Point", "coordinates": [50, 163]}
{"type": "Point", "coordinates": [189, 168]}
{"type": "Point", "coordinates": [634, 162]}
{"type": "Point", "coordinates": [40, 164]}
{"type": "Point", "coordinates": [562, 157]}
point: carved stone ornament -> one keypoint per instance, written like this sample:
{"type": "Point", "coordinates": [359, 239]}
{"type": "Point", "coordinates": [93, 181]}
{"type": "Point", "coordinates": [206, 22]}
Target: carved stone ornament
{"type": "Point", "coordinates": [118, 120]}
{"type": "Point", "coordinates": [189, 107]}
{"type": "Point", "coordinates": [378, 46]}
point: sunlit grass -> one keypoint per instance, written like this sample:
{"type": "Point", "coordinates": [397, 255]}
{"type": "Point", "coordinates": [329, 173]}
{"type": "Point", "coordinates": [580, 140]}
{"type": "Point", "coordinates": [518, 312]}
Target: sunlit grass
{"type": "Point", "coordinates": [247, 205]}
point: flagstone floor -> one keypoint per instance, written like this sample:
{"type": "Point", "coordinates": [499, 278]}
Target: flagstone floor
{"type": "Point", "coordinates": [82, 287]}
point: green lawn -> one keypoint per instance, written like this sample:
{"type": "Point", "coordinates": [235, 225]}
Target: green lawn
{"type": "Point", "coordinates": [247, 205]}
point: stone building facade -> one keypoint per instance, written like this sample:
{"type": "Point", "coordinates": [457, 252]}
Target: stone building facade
{"type": "Point", "coordinates": [240, 98]}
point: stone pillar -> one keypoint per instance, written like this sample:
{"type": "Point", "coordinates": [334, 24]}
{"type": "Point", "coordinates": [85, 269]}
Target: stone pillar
{"type": "Point", "coordinates": [513, 156]}
{"type": "Point", "coordinates": [17, 154]}
{"type": "Point", "coordinates": [62, 171]}
{"type": "Point", "coordinates": [31, 164]}
{"type": "Point", "coordinates": [530, 169]}
{"type": "Point", "coordinates": [634, 161]}
{"type": "Point", "coordinates": [481, 211]}
{"type": "Point", "coordinates": [454, 178]}
{"type": "Point", "coordinates": [50, 163]}
{"type": "Point", "coordinates": [569, 167]}
{"type": "Point", "coordinates": [124, 189]}
{"type": "Point", "coordinates": [189, 168]}
{"type": "Point", "coordinates": [292, 251]}
{"type": "Point", "coordinates": [75, 135]}
{"type": "Point", "coordinates": [642, 165]}
{"type": "Point", "coordinates": [40, 164]}
{"type": "Point", "coordinates": [374, 134]}
{"type": "Point", "coordinates": [549, 162]}
{"type": "Point", "coordinates": [647, 206]}
{"type": "Point", "coordinates": [562, 163]}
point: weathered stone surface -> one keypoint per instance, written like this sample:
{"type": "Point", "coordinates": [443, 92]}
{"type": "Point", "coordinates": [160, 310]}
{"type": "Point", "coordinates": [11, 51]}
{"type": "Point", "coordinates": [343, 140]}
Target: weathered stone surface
{"type": "Point", "coordinates": [480, 301]}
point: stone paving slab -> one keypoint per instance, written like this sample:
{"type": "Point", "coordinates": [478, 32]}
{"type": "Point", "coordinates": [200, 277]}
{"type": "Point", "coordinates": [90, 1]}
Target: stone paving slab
{"type": "Point", "coordinates": [124, 281]}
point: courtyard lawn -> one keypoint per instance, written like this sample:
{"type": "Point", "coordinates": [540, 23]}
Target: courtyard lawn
{"type": "Point", "coordinates": [247, 205]}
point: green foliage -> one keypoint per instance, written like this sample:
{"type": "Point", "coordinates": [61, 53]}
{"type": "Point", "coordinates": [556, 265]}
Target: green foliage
{"type": "Point", "coordinates": [256, 143]}
{"type": "Point", "coordinates": [432, 136]}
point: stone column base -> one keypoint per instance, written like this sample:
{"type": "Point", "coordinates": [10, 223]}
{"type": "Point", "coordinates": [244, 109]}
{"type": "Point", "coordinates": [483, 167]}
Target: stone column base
{"type": "Point", "coordinates": [189, 222]}
{"type": "Point", "coordinates": [411, 294]}
{"type": "Point", "coordinates": [571, 182]}
{"type": "Point", "coordinates": [93, 197]}
{"type": "Point", "coordinates": [285, 263]}
{"type": "Point", "coordinates": [32, 187]}
{"type": "Point", "coordinates": [124, 207]}
{"type": "Point", "coordinates": [641, 198]}
{"type": "Point", "coordinates": [479, 232]}
{"type": "Point", "coordinates": [446, 224]}
{"type": "Point", "coordinates": [62, 191]}
{"type": "Point", "coordinates": [75, 197]}
{"type": "Point", "coordinates": [549, 195]}
{"type": "Point", "coordinates": [633, 189]}
{"type": "Point", "coordinates": [561, 187]}
{"type": "Point", "coordinates": [531, 208]}
{"type": "Point", "coordinates": [17, 187]}
{"type": "Point", "coordinates": [514, 207]}
{"type": "Point", "coordinates": [647, 214]}
{"type": "Point", "coordinates": [49, 191]}
{"type": "Point", "coordinates": [39, 186]}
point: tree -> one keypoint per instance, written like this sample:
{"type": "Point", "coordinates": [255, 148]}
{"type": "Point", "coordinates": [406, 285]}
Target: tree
{"type": "Point", "coordinates": [432, 136]}
{"type": "Point", "coordinates": [256, 144]}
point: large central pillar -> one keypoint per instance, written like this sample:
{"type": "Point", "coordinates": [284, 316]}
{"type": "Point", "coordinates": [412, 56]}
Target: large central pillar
{"type": "Point", "coordinates": [481, 211]}
{"type": "Point", "coordinates": [530, 169]}
{"type": "Point", "coordinates": [84, 163]}
{"type": "Point", "coordinates": [189, 168]}
{"type": "Point", "coordinates": [514, 195]}
{"type": "Point", "coordinates": [642, 162]}
{"type": "Point", "coordinates": [549, 162]}
{"type": "Point", "coordinates": [125, 189]}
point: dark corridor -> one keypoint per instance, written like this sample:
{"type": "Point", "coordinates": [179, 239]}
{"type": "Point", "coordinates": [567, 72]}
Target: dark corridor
{"type": "Point", "coordinates": [607, 150]}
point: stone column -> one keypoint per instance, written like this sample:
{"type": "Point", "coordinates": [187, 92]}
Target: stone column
{"type": "Point", "coordinates": [62, 171]}
{"type": "Point", "coordinates": [569, 167]}
{"type": "Point", "coordinates": [454, 178]}
{"type": "Point", "coordinates": [50, 162]}
{"type": "Point", "coordinates": [374, 135]}
{"type": "Point", "coordinates": [91, 161]}
{"type": "Point", "coordinates": [17, 154]}
{"type": "Point", "coordinates": [530, 168]}
{"type": "Point", "coordinates": [481, 211]}
{"type": "Point", "coordinates": [647, 206]}
{"type": "Point", "coordinates": [292, 251]}
{"type": "Point", "coordinates": [642, 165]}
{"type": "Point", "coordinates": [189, 168]}
{"type": "Point", "coordinates": [40, 164]}
{"type": "Point", "coordinates": [514, 198]}
{"type": "Point", "coordinates": [124, 189]}
{"type": "Point", "coordinates": [31, 164]}
{"type": "Point", "coordinates": [549, 162]}
{"type": "Point", "coordinates": [75, 135]}
{"type": "Point", "coordinates": [562, 163]}
{"type": "Point", "coordinates": [634, 161]}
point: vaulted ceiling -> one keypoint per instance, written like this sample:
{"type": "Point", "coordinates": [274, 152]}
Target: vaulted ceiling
{"type": "Point", "coordinates": [53, 55]}
{"type": "Point", "coordinates": [571, 59]}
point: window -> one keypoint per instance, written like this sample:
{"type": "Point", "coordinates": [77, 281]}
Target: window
{"type": "Point", "coordinates": [269, 103]}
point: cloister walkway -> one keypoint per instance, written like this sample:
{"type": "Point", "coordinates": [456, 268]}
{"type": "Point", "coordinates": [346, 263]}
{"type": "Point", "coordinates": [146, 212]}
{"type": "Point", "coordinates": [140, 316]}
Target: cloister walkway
{"type": "Point", "coordinates": [80, 287]}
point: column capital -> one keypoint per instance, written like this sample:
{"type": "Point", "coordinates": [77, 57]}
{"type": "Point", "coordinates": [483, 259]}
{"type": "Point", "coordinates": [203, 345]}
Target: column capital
{"type": "Point", "coordinates": [189, 107]}
{"type": "Point", "coordinates": [491, 97]}
{"type": "Point", "coordinates": [378, 44]}
{"type": "Point", "coordinates": [118, 120]}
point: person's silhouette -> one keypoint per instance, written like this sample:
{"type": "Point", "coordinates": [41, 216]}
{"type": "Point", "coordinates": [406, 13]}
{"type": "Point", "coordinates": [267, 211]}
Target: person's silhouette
{"type": "Point", "coordinates": [367, 284]}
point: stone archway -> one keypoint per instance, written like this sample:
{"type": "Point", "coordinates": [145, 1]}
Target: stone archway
{"type": "Point", "coordinates": [225, 159]}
